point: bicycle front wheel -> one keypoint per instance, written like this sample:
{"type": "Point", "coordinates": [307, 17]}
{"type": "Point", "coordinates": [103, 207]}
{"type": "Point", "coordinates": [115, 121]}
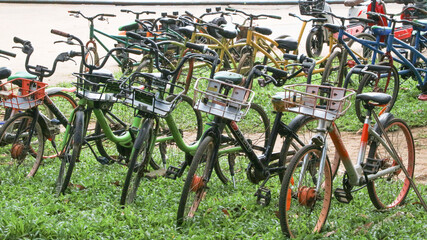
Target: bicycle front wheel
{"type": "Point", "coordinates": [255, 127]}
{"type": "Point", "coordinates": [16, 149]}
{"type": "Point", "coordinates": [196, 183]}
{"type": "Point", "coordinates": [70, 153]}
{"type": "Point", "coordinates": [303, 209]}
{"type": "Point", "coordinates": [383, 83]}
{"type": "Point", "coordinates": [138, 162]}
{"type": "Point", "coordinates": [314, 43]}
{"type": "Point", "coordinates": [390, 190]}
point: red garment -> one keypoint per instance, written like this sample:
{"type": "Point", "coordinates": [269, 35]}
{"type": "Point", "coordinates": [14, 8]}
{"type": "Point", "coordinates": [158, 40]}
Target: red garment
{"type": "Point", "coordinates": [379, 8]}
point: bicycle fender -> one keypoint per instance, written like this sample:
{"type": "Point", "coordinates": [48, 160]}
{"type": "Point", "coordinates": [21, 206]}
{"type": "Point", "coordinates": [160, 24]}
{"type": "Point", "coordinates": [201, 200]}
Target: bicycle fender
{"type": "Point", "coordinates": [45, 127]}
{"type": "Point", "coordinates": [54, 90]}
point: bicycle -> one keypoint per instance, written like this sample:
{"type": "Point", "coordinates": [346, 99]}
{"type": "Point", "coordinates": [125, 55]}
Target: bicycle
{"type": "Point", "coordinates": [228, 102]}
{"type": "Point", "coordinates": [4, 74]}
{"type": "Point", "coordinates": [151, 129]}
{"type": "Point", "coordinates": [306, 191]}
{"type": "Point", "coordinates": [23, 135]}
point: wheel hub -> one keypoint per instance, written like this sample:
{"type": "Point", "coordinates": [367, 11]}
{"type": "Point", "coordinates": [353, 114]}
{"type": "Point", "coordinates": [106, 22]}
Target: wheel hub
{"type": "Point", "coordinates": [17, 150]}
{"type": "Point", "coordinates": [307, 196]}
{"type": "Point", "coordinates": [197, 183]}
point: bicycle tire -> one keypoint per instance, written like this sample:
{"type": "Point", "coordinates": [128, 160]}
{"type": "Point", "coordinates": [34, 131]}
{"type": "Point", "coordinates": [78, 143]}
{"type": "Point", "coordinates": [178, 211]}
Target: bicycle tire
{"type": "Point", "coordinates": [391, 190]}
{"type": "Point", "coordinates": [74, 144]}
{"type": "Point", "coordinates": [255, 127]}
{"type": "Point", "coordinates": [65, 103]}
{"type": "Point", "coordinates": [305, 128]}
{"type": "Point", "coordinates": [314, 43]}
{"type": "Point", "coordinates": [368, 84]}
{"type": "Point", "coordinates": [330, 75]}
{"type": "Point", "coordinates": [421, 47]}
{"type": "Point", "coordinates": [188, 121]}
{"type": "Point", "coordinates": [195, 186]}
{"type": "Point", "coordinates": [246, 63]}
{"type": "Point", "coordinates": [302, 210]}
{"type": "Point", "coordinates": [138, 162]}
{"type": "Point", "coordinates": [12, 144]}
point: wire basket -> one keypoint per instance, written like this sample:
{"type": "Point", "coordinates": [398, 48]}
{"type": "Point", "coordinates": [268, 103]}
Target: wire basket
{"type": "Point", "coordinates": [98, 86]}
{"type": "Point", "coordinates": [310, 7]}
{"type": "Point", "coordinates": [222, 99]}
{"type": "Point", "coordinates": [22, 93]}
{"type": "Point", "coordinates": [148, 92]}
{"type": "Point", "coordinates": [322, 102]}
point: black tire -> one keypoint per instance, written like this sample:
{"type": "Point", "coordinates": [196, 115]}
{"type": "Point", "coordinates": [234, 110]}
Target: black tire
{"type": "Point", "coordinates": [363, 53]}
{"type": "Point", "coordinates": [190, 124]}
{"type": "Point", "coordinates": [255, 127]}
{"type": "Point", "coordinates": [138, 162]}
{"type": "Point", "coordinates": [246, 63]}
{"type": "Point", "coordinates": [391, 190]}
{"type": "Point", "coordinates": [13, 140]}
{"type": "Point", "coordinates": [195, 186]}
{"type": "Point", "coordinates": [314, 43]}
{"type": "Point", "coordinates": [330, 75]}
{"type": "Point", "coordinates": [302, 210]}
{"type": "Point", "coordinates": [421, 48]}
{"type": "Point", "coordinates": [305, 128]}
{"type": "Point", "coordinates": [388, 84]}
{"type": "Point", "coordinates": [71, 153]}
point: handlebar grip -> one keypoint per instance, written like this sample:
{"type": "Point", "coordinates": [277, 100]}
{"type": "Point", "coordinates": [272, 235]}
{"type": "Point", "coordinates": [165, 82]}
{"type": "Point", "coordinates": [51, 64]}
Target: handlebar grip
{"type": "Point", "coordinates": [292, 14]}
{"type": "Point", "coordinates": [74, 54]}
{"type": "Point", "coordinates": [74, 12]}
{"type": "Point", "coordinates": [18, 40]}
{"type": "Point", "coordinates": [57, 32]}
{"type": "Point", "coordinates": [290, 56]}
{"type": "Point", "coordinates": [134, 51]}
{"type": "Point", "coordinates": [135, 35]}
{"type": "Point", "coordinates": [277, 72]}
{"type": "Point", "coordinates": [275, 17]}
{"type": "Point", "coordinates": [7, 53]}
{"type": "Point", "coordinates": [230, 9]}
{"type": "Point", "coordinates": [124, 10]}
{"type": "Point", "coordinates": [150, 12]}
{"type": "Point", "coordinates": [197, 47]}
{"type": "Point", "coordinates": [109, 15]}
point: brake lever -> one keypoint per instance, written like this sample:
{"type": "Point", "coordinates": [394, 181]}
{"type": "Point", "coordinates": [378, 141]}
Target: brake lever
{"type": "Point", "coordinates": [1, 56]}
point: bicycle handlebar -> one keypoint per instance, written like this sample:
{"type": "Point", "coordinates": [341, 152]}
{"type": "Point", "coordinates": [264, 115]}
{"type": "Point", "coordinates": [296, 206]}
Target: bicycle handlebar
{"type": "Point", "coordinates": [77, 13]}
{"type": "Point", "coordinates": [252, 16]}
{"type": "Point", "coordinates": [390, 18]}
{"type": "Point", "coordinates": [82, 51]}
{"type": "Point", "coordinates": [262, 70]}
{"type": "Point", "coordinates": [7, 53]}
{"type": "Point", "coordinates": [348, 18]}
{"type": "Point", "coordinates": [416, 8]}
{"type": "Point", "coordinates": [307, 20]}
{"type": "Point", "coordinates": [137, 13]}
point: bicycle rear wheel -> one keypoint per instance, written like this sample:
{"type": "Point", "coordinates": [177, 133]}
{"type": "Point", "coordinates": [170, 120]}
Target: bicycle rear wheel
{"type": "Point", "coordinates": [71, 153]}
{"type": "Point", "coordinates": [386, 83]}
{"type": "Point", "coordinates": [331, 73]}
{"type": "Point", "coordinates": [196, 184]}
{"type": "Point", "coordinates": [16, 149]}
{"type": "Point", "coordinates": [138, 162]}
{"type": "Point", "coordinates": [391, 190]}
{"type": "Point", "coordinates": [302, 209]}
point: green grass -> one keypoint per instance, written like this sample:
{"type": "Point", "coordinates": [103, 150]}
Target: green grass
{"type": "Point", "coordinates": [91, 210]}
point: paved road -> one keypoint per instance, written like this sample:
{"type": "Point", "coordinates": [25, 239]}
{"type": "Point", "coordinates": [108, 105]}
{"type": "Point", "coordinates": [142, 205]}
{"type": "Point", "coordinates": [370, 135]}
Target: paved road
{"type": "Point", "coordinates": [34, 21]}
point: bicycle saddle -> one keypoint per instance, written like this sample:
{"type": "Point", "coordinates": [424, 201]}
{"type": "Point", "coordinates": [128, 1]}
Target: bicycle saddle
{"type": "Point", "coordinates": [230, 77]}
{"type": "Point", "coordinates": [381, 31]}
{"type": "Point", "coordinates": [22, 75]}
{"type": "Point", "coordinates": [289, 43]}
{"type": "Point", "coordinates": [352, 3]}
{"type": "Point", "coordinates": [262, 30]}
{"type": "Point", "coordinates": [129, 27]}
{"type": "Point", "coordinates": [5, 72]}
{"type": "Point", "coordinates": [332, 27]}
{"type": "Point", "coordinates": [379, 98]}
{"type": "Point", "coordinates": [218, 22]}
{"type": "Point", "coordinates": [187, 31]}
{"type": "Point", "coordinates": [228, 33]}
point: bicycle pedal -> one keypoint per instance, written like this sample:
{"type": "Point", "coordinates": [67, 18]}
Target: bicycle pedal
{"type": "Point", "coordinates": [372, 165]}
{"type": "Point", "coordinates": [172, 172]}
{"type": "Point", "coordinates": [263, 196]}
{"type": "Point", "coordinates": [343, 196]}
{"type": "Point", "coordinates": [103, 160]}
{"type": "Point", "coordinates": [55, 121]}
